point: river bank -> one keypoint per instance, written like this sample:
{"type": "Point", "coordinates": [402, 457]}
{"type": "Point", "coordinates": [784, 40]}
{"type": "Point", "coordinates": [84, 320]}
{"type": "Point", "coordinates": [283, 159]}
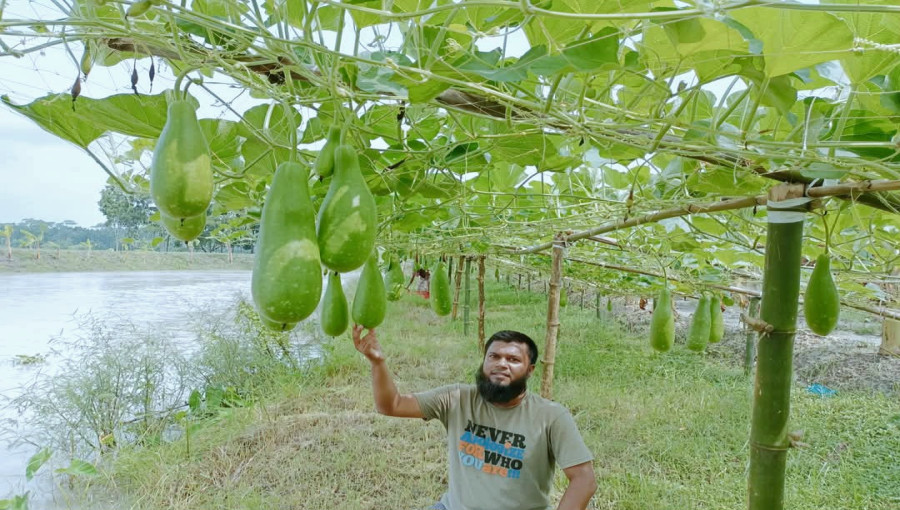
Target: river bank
{"type": "Point", "coordinates": [667, 431]}
{"type": "Point", "coordinates": [25, 261]}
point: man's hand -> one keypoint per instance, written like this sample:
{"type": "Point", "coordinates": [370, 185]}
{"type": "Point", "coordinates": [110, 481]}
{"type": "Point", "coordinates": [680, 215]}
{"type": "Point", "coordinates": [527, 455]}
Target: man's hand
{"type": "Point", "coordinates": [368, 344]}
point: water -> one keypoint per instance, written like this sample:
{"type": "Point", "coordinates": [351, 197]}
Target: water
{"type": "Point", "coordinates": [36, 307]}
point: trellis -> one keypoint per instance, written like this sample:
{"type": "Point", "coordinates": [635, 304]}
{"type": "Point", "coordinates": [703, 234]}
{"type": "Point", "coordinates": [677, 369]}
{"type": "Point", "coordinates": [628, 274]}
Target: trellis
{"type": "Point", "coordinates": [614, 119]}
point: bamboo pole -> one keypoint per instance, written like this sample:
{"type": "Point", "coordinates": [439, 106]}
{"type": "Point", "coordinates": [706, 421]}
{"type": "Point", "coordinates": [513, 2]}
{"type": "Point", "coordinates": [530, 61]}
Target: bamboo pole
{"type": "Point", "coordinates": [481, 303]}
{"type": "Point", "coordinates": [750, 344]}
{"type": "Point", "coordinates": [853, 190]}
{"type": "Point", "coordinates": [466, 304]}
{"type": "Point", "coordinates": [772, 388]}
{"type": "Point", "coordinates": [457, 284]}
{"type": "Point", "coordinates": [552, 316]}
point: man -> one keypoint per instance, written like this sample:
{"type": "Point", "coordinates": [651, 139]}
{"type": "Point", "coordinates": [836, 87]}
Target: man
{"type": "Point", "coordinates": [502, 441]}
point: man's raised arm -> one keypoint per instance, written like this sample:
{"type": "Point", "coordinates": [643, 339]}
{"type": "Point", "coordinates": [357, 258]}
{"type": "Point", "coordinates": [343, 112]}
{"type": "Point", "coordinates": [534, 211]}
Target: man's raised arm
{"type": "Point", "coordinates": [388, 401]}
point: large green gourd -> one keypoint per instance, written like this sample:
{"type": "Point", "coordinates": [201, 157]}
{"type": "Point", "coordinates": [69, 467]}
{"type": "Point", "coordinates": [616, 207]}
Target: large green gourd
{"type": "Point", "coordinates": [370, 301]}
{"type": "Point", "coordinates": [325, 162]}
{"type": "Point", "coordinates": [716, 320]}
{"type": "Point", "coordinates": [563, 297]}
{"type": "Point", "coordinates": [698, 335]}
{"type": "Point", "coordinates": [186, 229]}
{"type": "Point", "coordinates": [281, 327]}
{"type": "Point", "coordinates": [348, 219]}
{"type": "Point", "coordinates": [439, 290]}
{"type": "Point", "coordinates": [662, 323]}
{"type": "Point", "coordinates": [287, 276]}
{"type": "Point", "coordinates": [394, 280]}
{"type": "Point", "coordinates": [335, 315]}
{"type": "Point", "coordinates": [821, 302]}
{"type": "Point", "coordinates": [181, 178]}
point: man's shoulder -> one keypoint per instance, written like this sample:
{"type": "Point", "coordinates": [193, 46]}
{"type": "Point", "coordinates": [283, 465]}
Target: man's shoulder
{"type": "Point", "coordinates": [546, 405]}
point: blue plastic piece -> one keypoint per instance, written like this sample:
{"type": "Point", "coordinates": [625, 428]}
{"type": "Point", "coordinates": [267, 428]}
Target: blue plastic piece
{"type": "Point", "coordinates": [818, 389]}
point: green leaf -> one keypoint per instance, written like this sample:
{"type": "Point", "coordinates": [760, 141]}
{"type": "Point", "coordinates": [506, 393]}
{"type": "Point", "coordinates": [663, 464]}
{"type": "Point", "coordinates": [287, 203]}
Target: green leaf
{"type": "Point", "coordinates": [78, 468]}
{"type": "Point", "coordinates": [587, 55]}
{"type": "Point", "coordinates": [793, 40]}
{"type": "Point", "coordinates": [486, 65]}
{"type": "Point", "coordinates": [128, 114]}
{"type": "Point", "coordinates": [36, 461]}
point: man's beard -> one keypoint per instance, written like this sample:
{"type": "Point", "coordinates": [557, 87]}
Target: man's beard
{"type": "Point", "coordinates": [499, 393]}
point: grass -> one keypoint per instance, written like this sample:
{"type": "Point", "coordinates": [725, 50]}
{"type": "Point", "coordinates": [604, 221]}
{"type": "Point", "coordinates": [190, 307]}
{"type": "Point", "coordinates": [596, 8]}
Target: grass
{"type": "Point", "coordinates": [24, 261]}
{"type": "Point", "coordinates": [667, 431]}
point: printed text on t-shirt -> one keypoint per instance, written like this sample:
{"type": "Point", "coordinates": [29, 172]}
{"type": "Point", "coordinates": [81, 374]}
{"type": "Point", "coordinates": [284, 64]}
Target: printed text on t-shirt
{"type": "Point", "coordinates": [491, 450]}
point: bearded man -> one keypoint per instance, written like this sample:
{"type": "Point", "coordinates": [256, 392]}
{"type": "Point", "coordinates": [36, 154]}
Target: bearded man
{"type": "Point", "coordinates": [503, 442]}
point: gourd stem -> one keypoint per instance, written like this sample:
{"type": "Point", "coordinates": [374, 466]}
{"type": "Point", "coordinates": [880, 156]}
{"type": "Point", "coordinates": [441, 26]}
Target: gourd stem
{"type": "Point", "coordinates": [181, 94]}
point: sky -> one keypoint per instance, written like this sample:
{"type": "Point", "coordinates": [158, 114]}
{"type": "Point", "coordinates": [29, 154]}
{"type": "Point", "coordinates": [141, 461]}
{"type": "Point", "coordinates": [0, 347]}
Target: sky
{"type": "Point", "coordinates": [41, 176]}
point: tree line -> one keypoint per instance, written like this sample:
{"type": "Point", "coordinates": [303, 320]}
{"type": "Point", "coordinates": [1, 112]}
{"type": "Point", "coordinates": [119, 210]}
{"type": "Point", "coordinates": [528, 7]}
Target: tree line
{"type": "Point", "coordinates": [131, 224]}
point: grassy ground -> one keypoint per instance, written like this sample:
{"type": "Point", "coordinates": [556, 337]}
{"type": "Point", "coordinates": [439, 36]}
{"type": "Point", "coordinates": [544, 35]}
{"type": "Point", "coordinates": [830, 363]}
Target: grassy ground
{"type": "Point", "coordinates": [24, 261]}
{"type": "Point", "coordinates": [668, 431]}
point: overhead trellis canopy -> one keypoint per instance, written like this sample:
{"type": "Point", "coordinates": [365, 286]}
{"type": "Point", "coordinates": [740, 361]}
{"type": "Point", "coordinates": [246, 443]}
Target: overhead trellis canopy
{"type": "Point", "coordinates": [488, 125]}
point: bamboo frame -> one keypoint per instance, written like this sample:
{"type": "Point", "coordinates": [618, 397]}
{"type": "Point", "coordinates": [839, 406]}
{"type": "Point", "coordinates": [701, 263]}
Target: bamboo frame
{"type": "Point", "coordinates": [552, 316]}
{"type": "Point", "coordinates": [481, 303]}
{"type": "Point", "coordinates": [774, 366]}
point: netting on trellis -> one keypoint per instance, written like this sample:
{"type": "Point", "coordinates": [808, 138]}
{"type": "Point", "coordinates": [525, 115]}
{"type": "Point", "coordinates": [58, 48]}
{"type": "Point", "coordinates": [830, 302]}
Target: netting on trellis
{"type": "Point", "coordinates": [488, 125]}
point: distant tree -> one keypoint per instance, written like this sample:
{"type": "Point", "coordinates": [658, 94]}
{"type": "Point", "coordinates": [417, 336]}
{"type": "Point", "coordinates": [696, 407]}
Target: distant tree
{"type": "Point", "coordinates": [87, 244]}
{"type": "Point", "coordinates": [7, 232]}
{"type": "Point", "coordinates": [124, 211]}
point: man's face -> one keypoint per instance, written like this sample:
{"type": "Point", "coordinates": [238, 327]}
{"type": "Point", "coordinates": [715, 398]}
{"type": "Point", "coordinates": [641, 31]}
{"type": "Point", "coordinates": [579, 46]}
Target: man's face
{"type": "Point", "coordinates": [505, 371]}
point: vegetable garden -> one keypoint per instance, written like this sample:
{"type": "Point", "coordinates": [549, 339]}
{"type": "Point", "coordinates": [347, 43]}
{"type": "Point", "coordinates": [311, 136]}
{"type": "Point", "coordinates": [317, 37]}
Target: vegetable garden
{"type": "Point", "coordinates": [650, 148]}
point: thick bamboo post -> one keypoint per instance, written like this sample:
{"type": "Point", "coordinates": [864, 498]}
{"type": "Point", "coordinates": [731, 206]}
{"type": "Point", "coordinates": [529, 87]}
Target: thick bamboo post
{"type": "Point", "coordinates": [457, 284]}
{"type": "Point", "coordinates": [769, 440]}
{"type": "Point", "coordinates": [481, 303]}
{"type": "Point", "coordinates": [750, 345]}
{"type": "Point", "coordinates": [466, 304]}
{"type": "Point", "coordinates": [549, 360]}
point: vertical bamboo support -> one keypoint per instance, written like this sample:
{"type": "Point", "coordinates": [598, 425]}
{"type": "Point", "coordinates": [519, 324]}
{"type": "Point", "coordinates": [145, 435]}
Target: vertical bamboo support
{"type": "Point", "coordinates": [772, 388]}
{"type": "Point", "coordinates": [529, 282]}
{"type": "Point", "coordinates": [481, 303]}
{"type": "Point", "coordinates": [466, 304]}
{"type": "Point", "coordinates": [457, 284]}
{"type": "Point", "coordinates": [519, 285]}
{"type": "Point", "coordinates": [559, 242]}
{"type": "Point", "coordinates": [597, 304]}
{"type": "Point", "coordinates": [750, 347]}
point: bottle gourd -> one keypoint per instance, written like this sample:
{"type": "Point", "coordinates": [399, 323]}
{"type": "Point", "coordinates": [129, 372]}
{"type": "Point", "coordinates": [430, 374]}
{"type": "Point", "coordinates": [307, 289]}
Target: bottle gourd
{"type": "Point", "coordinates": [698, 335]}
{"type": "Point", "coordinates": [287, 275]}
{"type": "Point", "coordinates": [439, 290]}
{"type": "Point", "coordinates": [370, 300]}
{"type": "Point", "coordinates": [181, 178]}
{"type": "Point", "coordinates": [335, 315]}
{"type": "Point", "coordinates": [348, 219]}
{"type": "Point", "coordinates": [662, 323]}
{"type": "Point", "coordinates": [821, 301]}
{"type": "Point", "coordinates": [716, 320]}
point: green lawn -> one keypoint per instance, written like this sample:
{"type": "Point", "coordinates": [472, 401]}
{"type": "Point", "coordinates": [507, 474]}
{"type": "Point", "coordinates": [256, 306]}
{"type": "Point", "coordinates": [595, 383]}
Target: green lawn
{"type": "Point", "coordinates": [668, 431]}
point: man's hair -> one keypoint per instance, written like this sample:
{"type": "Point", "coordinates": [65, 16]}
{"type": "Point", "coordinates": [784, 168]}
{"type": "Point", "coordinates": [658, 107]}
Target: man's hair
{"type": "Point", "coordinates": [516, 338]}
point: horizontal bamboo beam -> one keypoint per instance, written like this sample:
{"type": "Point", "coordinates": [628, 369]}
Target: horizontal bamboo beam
{"type": "Point", "coordinates": [880, 311]}
{"type": "Point", "coordinates": [854, 190]}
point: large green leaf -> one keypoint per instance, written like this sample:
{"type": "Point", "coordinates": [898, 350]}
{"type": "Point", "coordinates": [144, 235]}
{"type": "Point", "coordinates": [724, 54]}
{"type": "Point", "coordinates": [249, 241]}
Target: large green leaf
{"type": "Point", "coordinates": [792, 40]}
{"type": "Point", "coordinates": [88, 119]}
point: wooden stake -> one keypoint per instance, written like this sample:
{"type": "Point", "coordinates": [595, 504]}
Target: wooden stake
{"type": "Point", "coordinates": [458, 283]}
{"type": "Point", "coordinates": [481, 304]}
{"type": "Point", "coordinates": [559, 243]}
{"type": "Point", "coordinates": [466, 304]}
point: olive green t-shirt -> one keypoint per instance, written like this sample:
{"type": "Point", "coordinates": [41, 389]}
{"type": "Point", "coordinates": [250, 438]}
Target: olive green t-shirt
{"type": "Point", "coordinates": [502, 458]}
